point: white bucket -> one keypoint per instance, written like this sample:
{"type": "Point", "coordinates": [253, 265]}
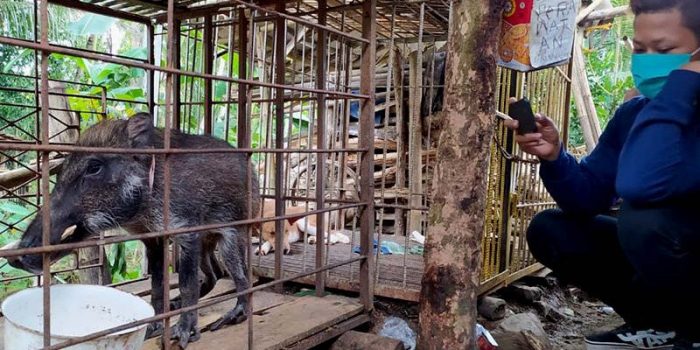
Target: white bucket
{"type": "Point", "coordinates": [76, 310]}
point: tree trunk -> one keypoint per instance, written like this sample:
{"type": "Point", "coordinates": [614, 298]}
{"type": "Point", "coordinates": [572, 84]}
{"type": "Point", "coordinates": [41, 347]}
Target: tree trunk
{"type": "Point", "coordinates": [456, 218]}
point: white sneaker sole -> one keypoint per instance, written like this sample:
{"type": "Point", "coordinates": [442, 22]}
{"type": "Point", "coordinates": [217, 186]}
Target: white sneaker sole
{"type": "Point", "coordinates": [618, 346]}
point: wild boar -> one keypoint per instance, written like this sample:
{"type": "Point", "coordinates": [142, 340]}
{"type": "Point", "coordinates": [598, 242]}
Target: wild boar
{"type": "Point", "coordinates": [97, 192]}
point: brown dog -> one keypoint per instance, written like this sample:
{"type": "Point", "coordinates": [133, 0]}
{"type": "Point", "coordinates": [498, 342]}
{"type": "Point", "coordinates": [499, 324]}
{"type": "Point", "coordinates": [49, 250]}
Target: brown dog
{"type": "Point", "coordinates": [294, 228]}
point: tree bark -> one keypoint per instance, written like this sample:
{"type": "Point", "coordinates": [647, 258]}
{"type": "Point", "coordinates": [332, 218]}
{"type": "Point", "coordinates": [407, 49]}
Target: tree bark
{"type": "Point", "coordinates": [456, 218]}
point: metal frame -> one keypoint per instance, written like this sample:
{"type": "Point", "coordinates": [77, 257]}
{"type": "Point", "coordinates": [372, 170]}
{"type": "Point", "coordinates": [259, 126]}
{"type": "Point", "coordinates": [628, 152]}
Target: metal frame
{"type": "Point", "coordinates": [172, 106]}
{"type": "Point", "coordinates": [332, 35]}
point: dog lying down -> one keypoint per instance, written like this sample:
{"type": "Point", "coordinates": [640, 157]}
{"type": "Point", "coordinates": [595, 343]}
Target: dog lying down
{"type": "Point", "coordinates": [294, 229]}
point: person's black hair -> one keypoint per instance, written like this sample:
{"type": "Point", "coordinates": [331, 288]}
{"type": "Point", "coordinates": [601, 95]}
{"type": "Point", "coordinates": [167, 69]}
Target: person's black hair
{"type": "Point", "coordinates": [689, 9]}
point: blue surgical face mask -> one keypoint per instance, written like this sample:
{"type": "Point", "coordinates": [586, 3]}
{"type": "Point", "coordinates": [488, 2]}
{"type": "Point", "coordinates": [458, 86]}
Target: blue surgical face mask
{"type": "Point", "coordinates": [650, 70]}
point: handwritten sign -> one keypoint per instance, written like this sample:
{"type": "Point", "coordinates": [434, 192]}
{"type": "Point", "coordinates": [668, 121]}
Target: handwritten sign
{"type": "Point", "coordinates": [552, 31]}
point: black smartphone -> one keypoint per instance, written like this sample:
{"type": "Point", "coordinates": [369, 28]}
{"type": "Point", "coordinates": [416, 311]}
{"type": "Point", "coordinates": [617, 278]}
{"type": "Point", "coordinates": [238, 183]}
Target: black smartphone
{"type": "Point", "coordinates": [522, 112]}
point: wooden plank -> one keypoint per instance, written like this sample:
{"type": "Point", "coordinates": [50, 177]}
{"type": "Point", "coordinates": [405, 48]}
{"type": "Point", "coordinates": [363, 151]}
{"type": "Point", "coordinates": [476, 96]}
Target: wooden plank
{"type": "Point", "coordinates": [391, 281]}
{"type": "Point", "coordinates": [101, 10]}
{"type": "Point", "coordinates": [283, 325]}
{"type": "Point", "coordinates": [330, 333]}
{"type": "Point", "coordinates": [391, 158]}
{"type": "Point", "coordinates": [262, 301]}
{"type": "Point", "coordinates": [143, 287]}
{"type": "Point", "coordinates": [222, 287]}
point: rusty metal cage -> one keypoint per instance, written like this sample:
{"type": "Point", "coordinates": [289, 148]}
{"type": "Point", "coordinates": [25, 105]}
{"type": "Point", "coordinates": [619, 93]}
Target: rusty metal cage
{"type": "Point", "coordinates": [281, 84]}
{"type": "Point", "coordinates": [411, 48]}
{"type": "Point", "coordinates": [336, 98]}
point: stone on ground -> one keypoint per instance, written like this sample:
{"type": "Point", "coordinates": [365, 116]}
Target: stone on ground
{"type": "Point", "coordinates": [521, 332]}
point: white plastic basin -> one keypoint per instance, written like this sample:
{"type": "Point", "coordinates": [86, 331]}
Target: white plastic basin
{"type": "Point", "coordinates": [76, 310]}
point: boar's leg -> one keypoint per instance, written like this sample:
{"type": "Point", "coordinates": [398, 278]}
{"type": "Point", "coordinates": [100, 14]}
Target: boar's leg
{"type": "Point", "coordinates": [210, 277]}
{"type": "Point", "coordinates": [154, 254]}
{"type": "Point", "coordinates": [216, 267]}
{"type": "Point", "coordinates": [211, 270]}
{"type": "Point", "coordinates": [233, 254]}
{"type": "Point", "coordinates": [186, 328]}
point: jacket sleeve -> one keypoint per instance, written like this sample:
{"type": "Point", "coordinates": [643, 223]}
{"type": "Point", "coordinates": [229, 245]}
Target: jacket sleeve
{"type": "Point", "coordinates": [587, 188]}
{"type": "Point", "coordinates": [661, 158]}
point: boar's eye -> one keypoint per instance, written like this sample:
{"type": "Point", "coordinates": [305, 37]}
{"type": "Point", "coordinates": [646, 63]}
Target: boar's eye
{"type": "Point", "coordinates": [93, 168]}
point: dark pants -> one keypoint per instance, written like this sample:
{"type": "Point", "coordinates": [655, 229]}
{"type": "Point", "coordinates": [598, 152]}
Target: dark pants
{"type": "Point", "coordinates": [645, 263]}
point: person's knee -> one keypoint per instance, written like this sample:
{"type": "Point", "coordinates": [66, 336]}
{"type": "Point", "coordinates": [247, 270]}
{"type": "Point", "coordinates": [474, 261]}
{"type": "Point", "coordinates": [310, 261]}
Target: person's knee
{"type": "Point", "coordinates": [654, 243]}
{"type": "Point", "coordinates": [642, 230]}
{"type": "Point", "coordinates": [543, 232]}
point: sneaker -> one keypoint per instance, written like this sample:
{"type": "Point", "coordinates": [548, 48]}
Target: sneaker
{"type": "Point", "coordinates": [627, 338]}
{"type": "Point", "coordinates": [685, 344]}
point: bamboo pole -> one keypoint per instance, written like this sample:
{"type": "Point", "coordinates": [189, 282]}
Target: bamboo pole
{"type": "Point", "coordinates": [581, 90]}
{"type": "Point", "coordinates": [415, 164]}
{"type": "Point", "coordinates": [603, 15]}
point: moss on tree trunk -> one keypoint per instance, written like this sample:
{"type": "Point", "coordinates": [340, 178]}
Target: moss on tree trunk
{"type": "Point", "coordinates": [452, 254]}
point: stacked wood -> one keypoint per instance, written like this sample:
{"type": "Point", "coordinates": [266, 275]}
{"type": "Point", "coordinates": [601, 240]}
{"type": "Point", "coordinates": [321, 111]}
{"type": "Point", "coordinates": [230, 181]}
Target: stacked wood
{"type": "Point", "coordinates": [389, 159]}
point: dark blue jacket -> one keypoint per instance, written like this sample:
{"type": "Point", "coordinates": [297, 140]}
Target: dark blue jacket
{"type": "Point", "coordinates": [648, 153]}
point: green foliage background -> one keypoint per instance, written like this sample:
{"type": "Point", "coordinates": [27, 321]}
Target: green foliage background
{"type": "Point", "coordinates": [608, 68]}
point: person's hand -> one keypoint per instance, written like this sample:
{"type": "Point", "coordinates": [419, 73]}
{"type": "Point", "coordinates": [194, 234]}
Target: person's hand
{"type": "Point", "coordinates": [544, 144]}
{"type": "Point", "coordinates": [693, 66]}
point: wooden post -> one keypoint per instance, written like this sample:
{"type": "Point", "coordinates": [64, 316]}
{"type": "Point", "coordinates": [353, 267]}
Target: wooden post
{"type": "Point", "coordinates": [415, 164]}
{"type": "Point", "coordinates": [208, 46]}
{"type": "Point", "coordinates": [581, 90]}
{"type": "Point", "coordinates": [321, 52]}
{"type": "Point", "coordinates": [368, 64]}
{"type": "Point", "coordinates": [279, 68]}
{"type": "Point", "coordinates": [400, 221]}
{"type": "Point", "coordinates": [456, 219]}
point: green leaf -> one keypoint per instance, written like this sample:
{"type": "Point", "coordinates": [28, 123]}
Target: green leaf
{"type": "Point", "coordinates": [9, 66]}
{"type": "Point", "coordinates": [126, 93]}
{"type": "Point", "coordinates": [119, 265]}
{"type": "Point", "coordinates": [104, 73]}
{"type": "Point", "coordinates": [220, 90]}
{"type": "Point", "coordinates": [137, 52]}
{"type": "Point", "coordinates": [16, 209]}
{"type": "Point", "coordinates": [92, 24]}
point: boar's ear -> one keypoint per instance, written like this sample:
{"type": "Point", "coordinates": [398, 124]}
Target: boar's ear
{"type": "Point", "coordinates": [140, 129]}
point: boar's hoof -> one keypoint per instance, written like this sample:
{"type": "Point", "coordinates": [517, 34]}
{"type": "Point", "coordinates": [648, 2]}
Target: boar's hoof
{"type": "Point", "coordinates": [154, 329]}
{"type": "Point", "coordinates": [186, 330]}
{"type": "Point", "coordinates": [235, 316]}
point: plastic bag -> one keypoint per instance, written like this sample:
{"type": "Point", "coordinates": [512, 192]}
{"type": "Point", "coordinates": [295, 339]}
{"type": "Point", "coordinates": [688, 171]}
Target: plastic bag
{"type": "Point", "coordinates": [484, 340]}
{"type": "Point", "coordinates": [396, 328]}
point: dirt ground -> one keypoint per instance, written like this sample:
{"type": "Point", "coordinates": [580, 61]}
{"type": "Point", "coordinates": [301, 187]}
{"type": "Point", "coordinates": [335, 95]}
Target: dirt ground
{"type": "Point", "coordinates": [581, 314]}
{"type": "Point", "coordinates": [577, 313]}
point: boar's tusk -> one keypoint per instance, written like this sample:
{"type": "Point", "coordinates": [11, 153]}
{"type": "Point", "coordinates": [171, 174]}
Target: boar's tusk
{"type": "Point", "coordinates": [68, 232]}
{"type": "Point", "coordinates": [152, 173]}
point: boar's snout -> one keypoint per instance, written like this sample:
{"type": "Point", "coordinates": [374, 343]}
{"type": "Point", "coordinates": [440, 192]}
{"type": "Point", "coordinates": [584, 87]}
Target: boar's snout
{"type": "Point", "coordinates": [63, 230]}
{"type": "Point", "coordinates": [29, 263]}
